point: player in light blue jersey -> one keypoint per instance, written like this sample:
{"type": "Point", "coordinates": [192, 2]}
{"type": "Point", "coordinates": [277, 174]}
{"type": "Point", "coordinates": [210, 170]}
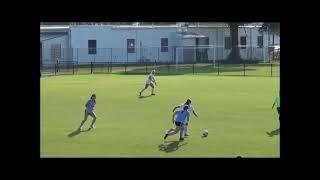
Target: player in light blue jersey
{"type": "Point", "coordinates": [181, 120]}
{"type": "Point", "coordinates": [180, 107]}
{"type": "Point", "coordinates": [89, 111]}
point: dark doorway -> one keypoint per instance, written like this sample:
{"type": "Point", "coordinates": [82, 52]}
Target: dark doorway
{"type": "Point", "coordinates": [202, 49]}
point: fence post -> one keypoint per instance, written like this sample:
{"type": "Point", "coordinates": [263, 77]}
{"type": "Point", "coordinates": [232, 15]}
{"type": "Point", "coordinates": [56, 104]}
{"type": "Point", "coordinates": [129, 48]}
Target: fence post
{"type": "Point", "coordinates": [62, 55]}
{"type": "Point", "coordinates": [125, 67]}
{"type": "Point", "coordinates": [264, 54]}
{"type": "Point", "coordinates": [55, 68]}
{"type": "Point", "coordinates": [72, 67]}
{"type": "Point", "coordinates": [271, 69]}
{"type": "Point", "coordinates": [218, 68]}
{"type": "Point", "coordinates": [244, 69]}
{"type": "Point", "coordinates": [214, 57]}
{"type": "Point", "coordinates": [91, 67]}
{"type": "Point", "coordinates": [111, 54]}
{"type": "Point", "coordinates": [193, 67]}
{"type": "Point", "coordinates": [111, 67]}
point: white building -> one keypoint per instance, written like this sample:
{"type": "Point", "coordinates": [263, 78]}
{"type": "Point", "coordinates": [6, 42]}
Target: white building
{"type": "Point", "coordinates": [110, 43]}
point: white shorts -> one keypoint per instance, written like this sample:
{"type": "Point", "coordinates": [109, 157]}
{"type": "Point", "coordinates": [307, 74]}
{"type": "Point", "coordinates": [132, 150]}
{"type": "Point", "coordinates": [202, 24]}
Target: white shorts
{"type": "Point", "coordinates": [148, 82]}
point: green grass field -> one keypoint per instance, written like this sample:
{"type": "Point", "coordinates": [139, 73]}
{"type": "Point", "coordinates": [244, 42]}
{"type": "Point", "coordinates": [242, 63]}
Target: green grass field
{"type": "Point", "coordinates": [236, 111]}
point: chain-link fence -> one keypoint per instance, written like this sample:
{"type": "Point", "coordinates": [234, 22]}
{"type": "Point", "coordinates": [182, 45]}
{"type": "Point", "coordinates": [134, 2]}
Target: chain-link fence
{"type": "Point", "coordinates": [218, 68]}
{"type": "Point", "coordinates": [256, 61]}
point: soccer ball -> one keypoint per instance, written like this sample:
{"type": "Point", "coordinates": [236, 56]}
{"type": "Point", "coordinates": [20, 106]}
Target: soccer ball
{"type": "Point", "coordinates": [205, 133]}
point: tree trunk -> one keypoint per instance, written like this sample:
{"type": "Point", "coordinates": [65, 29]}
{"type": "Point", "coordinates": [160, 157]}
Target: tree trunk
{"type": "Point", "coordinates": [234, 55]}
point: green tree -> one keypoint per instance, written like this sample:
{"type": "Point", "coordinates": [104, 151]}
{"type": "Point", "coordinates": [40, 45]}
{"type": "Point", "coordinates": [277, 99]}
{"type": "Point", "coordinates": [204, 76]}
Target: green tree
{"type": "Point", "coordinates": [234, 56]}
{"type": "Point", "coordinates": [273, 27]}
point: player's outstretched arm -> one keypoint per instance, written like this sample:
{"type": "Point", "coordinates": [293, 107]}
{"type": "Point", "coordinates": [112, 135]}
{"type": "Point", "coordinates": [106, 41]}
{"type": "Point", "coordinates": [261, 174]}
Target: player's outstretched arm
{"type": "Point", "coordinates": [173, 115]}
{"type": "Point", "coordinates": [273, 105]}
{"type": "Point", "coordinates": [175, 108]}
{"type": "Point", "coordinates": [195, 113]}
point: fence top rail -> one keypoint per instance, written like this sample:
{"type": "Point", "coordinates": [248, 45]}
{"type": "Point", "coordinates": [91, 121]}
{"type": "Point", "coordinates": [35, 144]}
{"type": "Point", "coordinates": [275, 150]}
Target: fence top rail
{"type": "Point", "coordinates": [200, 46]}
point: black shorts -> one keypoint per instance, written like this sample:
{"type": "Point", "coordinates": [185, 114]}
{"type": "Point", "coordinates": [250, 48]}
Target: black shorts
{"type": "Point", "coordinates": [147, 85]}
{"type": "Point", "coordinates": [89, 113]}
{"type": "Point", "coordinates": [177, 123]}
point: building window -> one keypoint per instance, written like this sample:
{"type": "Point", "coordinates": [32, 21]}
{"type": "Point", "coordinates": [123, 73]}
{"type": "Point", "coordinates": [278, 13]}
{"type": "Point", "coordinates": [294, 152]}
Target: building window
{"type": "Point", "coordinates": [92, 46]}
{"type": "Point", "coordinates": [227, 42]}
{"type": "Point", "coordinates": [243, 42]}
{"type": "Point", "coordinates": [260, 41]}
{"type": "Point", "coordinates": [130, 46]}
{"type": "Point", "coordinates": [164, 44]}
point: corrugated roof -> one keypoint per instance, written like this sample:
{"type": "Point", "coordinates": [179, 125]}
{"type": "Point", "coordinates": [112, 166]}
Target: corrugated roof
{"type": "Point", "coordinates": [54, 28]}
{"type": "Point", "coordinates": [62, 28]}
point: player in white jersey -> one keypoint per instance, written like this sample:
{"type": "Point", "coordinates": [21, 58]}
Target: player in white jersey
{"type": "Point", "coordinates": [149, 81]}
{"type": "Point", "coordinates": [190, 109]}
{"type": "Point", "coordinates": [89, 111]}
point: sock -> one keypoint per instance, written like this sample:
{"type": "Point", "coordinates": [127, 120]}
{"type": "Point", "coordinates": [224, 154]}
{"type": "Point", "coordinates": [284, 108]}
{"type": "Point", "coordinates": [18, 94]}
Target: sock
{"type": "Point", "coordinates": [93, 122]}
{"type": "Point", "coordinates": [182, 133]}
{"type": "Point", "coordinates": [172, 132]}
{"type": "Point", "coordinates": [81, 124]}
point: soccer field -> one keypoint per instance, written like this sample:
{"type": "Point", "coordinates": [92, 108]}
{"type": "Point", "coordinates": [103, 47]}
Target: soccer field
{"type": "Point", "coordinates": [236, 111]}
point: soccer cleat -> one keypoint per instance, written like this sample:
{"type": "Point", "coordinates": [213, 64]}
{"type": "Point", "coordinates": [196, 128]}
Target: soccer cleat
{"type": "Point", "coordinates": [186, 135]}
{"type": "Point", "coordinates": [181, 139]}
{"type": "Point", "coordinates": [165, 136]}
{"type": "Point", "coordinates": [140, 93]}
{"type": "Point", "coordinates": [153, 94]}
{"type": "Point", "coordinates": [91, 127]}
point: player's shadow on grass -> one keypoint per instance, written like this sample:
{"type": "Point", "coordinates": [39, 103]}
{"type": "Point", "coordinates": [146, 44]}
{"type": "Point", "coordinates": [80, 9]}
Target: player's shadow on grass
{"type": "Point", "coordinates": [172, 146]}
{"type": "Point", "coordinates": [274, 132]}
{"type": "Point", "coordinates": [77, 132]}
{"type": "Point", "coordinates": [141, 97]}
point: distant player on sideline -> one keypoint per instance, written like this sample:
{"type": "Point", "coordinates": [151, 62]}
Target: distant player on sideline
{"type": "Point", "coordinates": [190, 109]}
{"type": "Point", "coordinates": [89, 111]}
{"type": "Point", "coordinates": [149, 81]}
{"type": "Point", "coordinates": [277, 102]}
{"type": "Point", "coordinates": [182, 118]}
